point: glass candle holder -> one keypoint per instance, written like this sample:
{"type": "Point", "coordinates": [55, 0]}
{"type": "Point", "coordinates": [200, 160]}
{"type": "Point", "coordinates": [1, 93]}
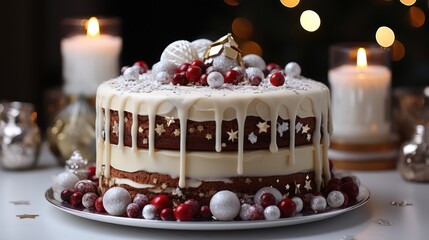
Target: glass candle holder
{"type": "Point", "coordinates": [90, 50]}
{"type": "Point", "coordinates": [360, 81]}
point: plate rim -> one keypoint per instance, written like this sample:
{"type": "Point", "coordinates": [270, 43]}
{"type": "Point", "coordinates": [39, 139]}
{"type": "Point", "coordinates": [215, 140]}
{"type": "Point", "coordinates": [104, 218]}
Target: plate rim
{"type": "Point", "coordinates": [200, 225]}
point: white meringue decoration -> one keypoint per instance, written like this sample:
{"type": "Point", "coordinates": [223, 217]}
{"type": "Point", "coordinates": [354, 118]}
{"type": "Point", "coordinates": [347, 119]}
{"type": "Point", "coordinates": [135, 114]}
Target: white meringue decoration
{"type": "Point", "coordinates": [201, 45]}
{"type": "Point", "coordinates": [131, 73]}
{"type": "Point", "coordinates": [276, 193]}
{"type": "Point", "coordinates": [225, 205]}
{"type": "Point", "coordinates": [215, 79]}
{"type": "Point", "coordinates": [64, 180]}
{"type": "Point", "coordinates": [179, 52]}
{"type": "Point", "coordinates": [292, 69]}
{"type": "Point", "coordinates": [116, 200]}
{"type": "Point", "coordinates": [253, 60]}
{"type": "Point", "coordinates": [163, 77]}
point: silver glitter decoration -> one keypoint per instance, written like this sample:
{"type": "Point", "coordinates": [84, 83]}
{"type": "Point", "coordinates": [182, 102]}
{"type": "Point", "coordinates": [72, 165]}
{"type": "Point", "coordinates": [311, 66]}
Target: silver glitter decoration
{"type": "Point", "coordinates": [77, 165]}
{"type": "Point", "coordinates": [292, 69]}
{"type": "Point", "coordinates": [215, 79]}
{"type": "Point", "coordinates": [401, 203]}
{"type": "Point", "coordinates": [299, 203]}
{"type": "Point", "coordinates": [335, 199]}
{"type": "Point", "coordinates": [318, 203]}
{"type": "Point", "coordinates": [384, 222]}
{"type": "Point", "coordinates": [132, 73]}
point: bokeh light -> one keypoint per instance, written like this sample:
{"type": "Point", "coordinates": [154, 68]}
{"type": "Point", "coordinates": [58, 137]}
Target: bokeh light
{"type": "Point", "coordinates": [416, 16]}
{"type": "Point", "coordinates": [242, 28]}
{"type": "Point", "coordinates": [250, 47]}
{"type": "Point", "coordinates": [398, 51]}
{"type": "Point", "coordinates": [233, 3]}
{"type": "Point", "coordinates": [310, 20]}
{"type": "Point", "coordinates": [290, 3]}
{"type": "Point", "coordinates": [408, 2]}
{"type": "Point", "coordinates": [385, 36]}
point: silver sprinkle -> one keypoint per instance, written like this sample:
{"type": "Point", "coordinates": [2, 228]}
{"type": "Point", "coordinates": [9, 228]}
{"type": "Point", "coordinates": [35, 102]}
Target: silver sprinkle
{"type": "Point", "coordinates": [401, 203]}
{"type": "Point", "coordinates": [384, 222]}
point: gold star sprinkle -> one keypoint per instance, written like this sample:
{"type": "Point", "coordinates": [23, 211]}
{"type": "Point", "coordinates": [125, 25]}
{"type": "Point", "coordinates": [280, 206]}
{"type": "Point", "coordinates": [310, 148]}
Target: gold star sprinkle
{"type": "Point", "coordinates": [176, 132]}
{"type": "Point", "coordinates": [208, 136]}
{"type": "Point", "coordinates": [160, 129]}
{"type": "Point", "coordinates": [191, 130]}
{"type": "Point", "coordinates": [308, 137]}
{"type": "Point", "coordinates": [305, 129]}
{"type": "Point", "coordinates": [141, 129]}
{"type": "Point", "coordinates": [297, 186]}
{"type": "Point", "coordinates": [248, 181]}
{"type": "Point", "coordinates": [307, 177]}
{"type": "Point", "coordinates": [169, 120]}
{"type": "Point", "coordinates": [307, 185]}
{"type": "Point", "coordinates": [115, 128]}
{"type": "Point", "coordinates": [287, 186]}
{"type": "Point", "coordinates": [232, 135]}
{"type": "Point", "coordinates": [24, 216]}
{"type": "Point", "coordinates": [20, 202]}
{"type": "Point", "coordinates": [200, 128]}
{"type": "Point", "coordinates": [263, 126]}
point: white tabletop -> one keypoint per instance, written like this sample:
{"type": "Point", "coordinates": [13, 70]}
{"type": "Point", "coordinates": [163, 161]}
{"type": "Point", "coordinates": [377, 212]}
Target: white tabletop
{"type": "Point", "coordinates": [409, 222]}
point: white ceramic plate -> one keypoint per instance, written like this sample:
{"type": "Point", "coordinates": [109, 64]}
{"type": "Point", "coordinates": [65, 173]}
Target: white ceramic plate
{"type": "Point", "coordinates": [196, 225]}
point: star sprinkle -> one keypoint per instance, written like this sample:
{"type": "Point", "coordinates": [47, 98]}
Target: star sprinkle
{"type": "Point", "coordinates": [24, 216]}
{"type": "Point", "coordinates": [282, 128]}
{"type": "Point", "coordinates": [307, 185]}
{"type": "Point", "coordinates": [297, 186]}
{"type": "Point", "coordinates": [141, 129]}
{"type": "Point", "coordinates": [144, 140]}
{"type": "Point", "coordinates": [287, 186]}
{"type": "Point", "coordinates": [115, 128]}
{"type": "Point", "coordinates": [176, 132]}
{"type": "Point", "coordinates": [400, 203]}
{"type": "Point", "coordinates": [200, 128]}
{"type": "Point", "coordinates": [248, 181]}
{"type": "Point", "coordinates": [308, 137]}
{"type": "Point", "coordinates": [232, 135]}
{"type": "Point", "coordinates": [305, 129]}
{"type": "Point", "coordinates": [208, 136]}
{"type": "Point", "coordinates": [252, 138]}
{"type": "Point", "coordinates": [160, 129]}
{"type": "Point", "coordinates": [263, 126]}
{"type": "Point", "coordinates": [169, 120]}
{"type": "Point", "coordinates": [191, 130]}
{"type": "Point", "coordinates": [298, 127]}
{"type": "Point", "coordinates": [125, 119]}
{"type": "Point", "coordinates": [21, 202]}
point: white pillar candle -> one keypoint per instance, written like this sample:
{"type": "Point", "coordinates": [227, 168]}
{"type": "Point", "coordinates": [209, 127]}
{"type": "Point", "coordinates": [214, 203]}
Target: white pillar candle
{"type": "Point", "coordinates": [360, 101]}
{"type": "Point", "coordinates": [89, 60]}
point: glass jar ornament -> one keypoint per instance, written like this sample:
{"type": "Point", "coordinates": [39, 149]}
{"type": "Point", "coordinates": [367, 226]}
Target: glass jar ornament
{"type": "Point", "coordinates": [414, 156]}
{"type": "Point", "coordinates": [20, 136]}
{"type": "Point", "coordinates": [73, 129]}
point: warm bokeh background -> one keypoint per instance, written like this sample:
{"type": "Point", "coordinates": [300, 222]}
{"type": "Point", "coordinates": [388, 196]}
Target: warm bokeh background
{"type": "Point", "coordinates": [31, 33]}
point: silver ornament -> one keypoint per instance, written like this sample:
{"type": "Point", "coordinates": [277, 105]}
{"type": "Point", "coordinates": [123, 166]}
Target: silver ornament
{"type": "Point", "coordinates": [150, 212]}
{"type": "Point", "coordinates": [163, 77]}
{"type": "Point", "coordinates": [64, 180]}
{"type": "Point", "coordinates": [225, 205]}
{"type": "Point", "coordinates": [298, 203]}
{"type": "Point", "coordinates": [276, 193]}
{"type": "Point", "coordinates": [335, 199]}
{"type": "Point", "coordinates": [215, 79]}
{"type": "Point", "coordinates": [318, 203]}
{"type": "Point", "coordinates": [253, 60]}
{"type": "Point", "coordinates": [131, 73]}
{"type": "Point", "coordinates": [292, 69]}
{"type": "Point", "coordinates": [78, 165]}
{"type": "Point", "coordinates": [116, 200]}
{"type": "Point", "coordinates": [244, 211]}
{"type": "Point", "coordinates": [224, 63]}
{"type": "Point", "coordinates": [272, 212]}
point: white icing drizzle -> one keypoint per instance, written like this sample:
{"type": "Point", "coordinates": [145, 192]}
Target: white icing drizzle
{"type": "Point", "coordinates": [134, 128]}
{"type": "Point", "coordinates": [121, 122]}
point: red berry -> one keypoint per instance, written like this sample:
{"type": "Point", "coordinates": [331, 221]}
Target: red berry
{"type": "Point", "coordinates": [267, 199]}
{"type": "Point", "coordinates": [347, 179]}
{"type": "Point", "coordinates": [334, 181]}
{"type": "Point", "coordinates": [277, 79]}
{"type": "Point", "coordinates": [199, 64]}
{"type": "Point", "coordinates": [141, 200]}
{"type": "Point", "coordinates": [99, 204]}
{"type": "Point", "coordinates": [66, 194]}
{"type": "Point", "coordinates": [161, 202]}
{"type": "Point", "coordinates": [195, 205]}
{"type": "Point", "coordinates": [346, 200]}
{"type": "Point", "coordinates": [287, 207]}
{"type": "Point", "coordinates": [133, 210]}
{"type": "Point", "coordinates": [351, 189]}
{"type": "Point", "coordinates": [91, 171]}
{"type": "Point", "coordinates": [183, 67]}
{"type": "Point", "coordinates": [184, 212]}
{"type": "Point", "coordinates": [167, 214]}
{"type": "Point", "coordinates": [179, 78]}
{"type": "Point", "coordinates": [273, 66]}
{"type": "Point", "coordinates": [76, 199]}
{"type": "Point", "coordinates": [143, 66]}
{"type": "Point", "coordinates": [193, 73]}
{"type": "Point", "coordinates": [255, 80]}
{"type": "Point", "coordinates": [205, 212]}
{"type": "Point", "coordinates": [233, 77]}
{"type": "Point", "coordinates": [203, 79]}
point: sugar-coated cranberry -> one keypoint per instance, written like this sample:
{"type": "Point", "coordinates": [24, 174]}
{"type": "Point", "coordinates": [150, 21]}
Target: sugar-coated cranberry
{"type": "Point", "coordinates": [351, 189]}
{"type": "Point", "coordinates": [193, 73]}
{"type": "Point", "coordinates": [143, 67]}
{"type": "Point", "coordinates": [179, 79]}
{"type": "Point", "coordinates": [91, 171]}
{"type": "Point", "coordinates": [256, 212]}
{"type": "Point", "coordinates": [255, 80]}
{"type": "Point", "coordinates": [233, 77]}
{"type": "Point", "coordinates": [85, 186]}
{"type": "Point", "coordinates": [141, 199]}
{"type": "Point", "coordinates": [203, 79]}
{"type": "Point", "coordinates": [267, 199]}
{"type": "Point", "coordinates": [76, 198]}
{"type": "Point", "coordinates": [277, 79]}
{"type": "Point", "coordinates": [88, 199]}
{"type": "Point", "coordinates": [133, 210]}
{"type": "Point", "coordinates": [205, 212]}
{"type": "Point", "coordinates": [167, 214]}
{"type": "Point", "coordinates": [161, 202]}
{"type": "Point", "coordinates": [195, 205]}
{"type": "Point", "coordinates": [199, 64]}
{"type": "Point", "coordinates": [183, 212]}
{"type": "Point", "coordinates": [99, 204]}
{"type": "Point", "coordinates": [183, 67]}
{"type": "Point", "coordinates": [287, 207]}
{"type": "Point", "coordinates": [66, 194]}
{"type": "Point", "coordinates": [272, 66]}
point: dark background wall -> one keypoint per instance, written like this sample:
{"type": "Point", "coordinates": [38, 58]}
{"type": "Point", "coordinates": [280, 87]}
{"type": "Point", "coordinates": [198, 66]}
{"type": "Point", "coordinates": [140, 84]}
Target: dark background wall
{"type": "Point", "coordinates": [31, 30]}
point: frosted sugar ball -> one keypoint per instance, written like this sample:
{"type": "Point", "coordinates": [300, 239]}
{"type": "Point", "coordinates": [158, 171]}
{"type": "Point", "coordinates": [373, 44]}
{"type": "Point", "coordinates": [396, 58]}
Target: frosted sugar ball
{"type": "Point", "coordinates": [253, 60]}
{"type": "Point", "coordinates": [116, 200]}
{"type": "Point", "coordinates": [272, 212]}
{"type": "Point", "coordinates": [64, 180]}
{"type": "Point", "coordinates": [298, 203]}
{"type": "Point", "coordinates": [164, 66]}
{"type": "Point", "coordinates": [244, 211]}
{"type": "Point", "coordinates": [292, 69]}
{"type": "Point", "coordinates": [277, 194]}
{"type": "Point", "coordinates": [254, 71]}
{"type": "Point", "coordinates": [224, 63]}
{"type": "Point", "coordinates": [335, 199]}
{"type": "Point", "coordinates": [163, 77]}
{"type": "Point", "coordinates": [131, 73]}
{"type": "Point", "coordinates": [150, 212]}
{"type": "Point", "coordinates": [225, 205]}
{"type": "Point", "coordinates": [215, 79]}
{"type": "Point", "coordinates": [318, 203]}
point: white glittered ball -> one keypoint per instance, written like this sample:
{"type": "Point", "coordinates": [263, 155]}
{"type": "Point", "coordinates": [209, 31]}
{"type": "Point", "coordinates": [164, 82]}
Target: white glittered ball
{"type": "Point", "coordinates": [215, 79]}
{"type": "Point", "coordinates": [272, 212]}
{"type": "Point", "coordinates": [179, 52]}
{"type": "Point", "coordinates": [224, 63]}
{"type": "Point", "coordinates": [64, 180]}
{"type": "Point", "coordinates": [298, 203]}
{"type": "Point", "coordinates": [131, 73]}
{"type": "Point", "coordinates": [252, 71]}
{"type": "Point", "coordinates": [276, 193]}
{"type": "Point", "coordinates": [244, 211]}
{"type": "Point", "coordinates": [163, 77]}
{"type": "Point", "coordinates": [253, 60]}
{"type": "Point", "coordinates": [318, 203]}
{"type": "Point", "coordinates": [292, 69]}
{"type": "Point", "coordinates": [201, 45]}
{"type": "Point", "coordinates": [116, 200]}
{"type": "Point", "coordinates": [150, 212]}
{"type": "Point", "coordinates": [164, 66]}
{"type": "Point", "coordinates": [335, 199]}
{"type": "Point", "coordinates": [225, 205]}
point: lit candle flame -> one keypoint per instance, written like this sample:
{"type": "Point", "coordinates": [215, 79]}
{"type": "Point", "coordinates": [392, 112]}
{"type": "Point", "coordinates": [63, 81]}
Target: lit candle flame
{"type": "Point", "coordinates": [361, 58]}
{"type": "Point", "coordinates": [93, 29]}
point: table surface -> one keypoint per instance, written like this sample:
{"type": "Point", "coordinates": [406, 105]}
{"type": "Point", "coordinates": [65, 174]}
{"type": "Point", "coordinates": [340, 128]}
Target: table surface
{"type": "Point", "coordinates": [408, 222]}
